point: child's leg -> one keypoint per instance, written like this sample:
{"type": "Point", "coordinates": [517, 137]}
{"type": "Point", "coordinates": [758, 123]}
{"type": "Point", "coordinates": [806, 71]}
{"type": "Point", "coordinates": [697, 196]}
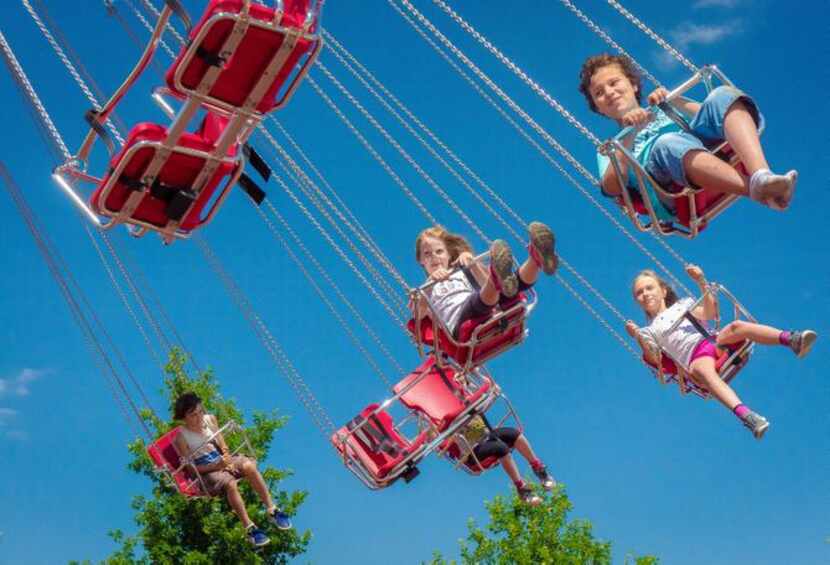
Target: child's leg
{"type": "Point", "coordinates": [512, 470]}
{"type": "Point", "coordinates": [704, 169]}
{"type": "Point", "coordinates": [703, 369]}
{"type": "Point", "coordinates": [523, 447]}
{"type": "Point", "coordinates": [254, 477]}
{"type": "Point", "coordinates": [501, 279]}
{"type": "Point", "coordinates": [741, 132]}
{"type": "Point", "coordinates": [740, 330]}
{"type": "Point", "coordinates": [237, 504]}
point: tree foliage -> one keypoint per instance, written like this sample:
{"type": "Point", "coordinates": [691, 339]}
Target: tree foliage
{"type": "Point", "coordinates": [518, 534]}
{"type": "Point", "coordinates": [176, 530]}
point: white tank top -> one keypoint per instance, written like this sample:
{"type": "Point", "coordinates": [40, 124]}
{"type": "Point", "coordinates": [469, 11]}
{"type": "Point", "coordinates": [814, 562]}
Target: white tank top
{"type": "Point", "coordinates": [196, 441]}
{"type": "Point", "coordinates": [448, 296]}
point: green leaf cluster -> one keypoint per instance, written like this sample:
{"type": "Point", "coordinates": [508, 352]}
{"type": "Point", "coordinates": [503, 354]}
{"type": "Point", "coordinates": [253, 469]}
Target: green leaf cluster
{"type": "Point", "coordinates": [175, 530]}
{"type": "Point", "coordinates": [519, 534]}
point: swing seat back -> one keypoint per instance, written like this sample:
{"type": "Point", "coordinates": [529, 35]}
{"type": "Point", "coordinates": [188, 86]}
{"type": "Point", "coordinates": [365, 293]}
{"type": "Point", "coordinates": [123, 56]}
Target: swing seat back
{"type": "Point", "coordinates": [166, 458]}
{"type": "Point", "coordinates": [371, 441]}
{"type": "Point", "coordinates": [261, 71]}
{"type": "Point", "coordinates": [171, 196]}
{"type": "Point", "coordinates": [436, 393]}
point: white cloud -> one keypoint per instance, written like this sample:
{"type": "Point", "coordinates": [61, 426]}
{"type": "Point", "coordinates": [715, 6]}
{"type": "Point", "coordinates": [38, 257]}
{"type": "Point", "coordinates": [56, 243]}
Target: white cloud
{"type": "Point", "coordinates": [688, 34]}
{"type": "Point", "coordinates": [715, 4]}
{"type": "Point", "coordinates": [19, 385]}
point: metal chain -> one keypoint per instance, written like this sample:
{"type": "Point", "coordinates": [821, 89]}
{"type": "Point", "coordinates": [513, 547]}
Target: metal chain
{"type": "Point", "coordinates": [609, 40]}
{"type": "Point", "coordinates": [515, 69]}
{"type": "Point", "coordinates": [653, 35]}
{"type": "Point", "coordinates": [323, 273]}
{"type": "Point", "coordinates": [313, 407]}
{"type": "Point", "coordinates": [301, 179]}
{"type": "Point", "coordinates": [394, 143]}
{"type": "Point", "coordinates": [539, 130]}
{"type": "Point", "coordinates": [71, 68]}
{"type": "Point", "coordinates": [149, 27]}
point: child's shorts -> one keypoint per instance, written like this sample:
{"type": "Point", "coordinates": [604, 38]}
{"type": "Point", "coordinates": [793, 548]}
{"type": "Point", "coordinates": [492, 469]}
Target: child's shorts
{"type": "Point", "coordinates": [704, 349]}
{"type": "Point", "coordinates": [217, 481]}
{"type": "Point", "coordinates": [665, 162]}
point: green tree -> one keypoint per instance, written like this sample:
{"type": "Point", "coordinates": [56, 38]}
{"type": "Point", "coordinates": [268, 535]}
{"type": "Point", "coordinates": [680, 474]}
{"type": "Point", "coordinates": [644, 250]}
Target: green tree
{"type": "Point", "coordinates": [176, 530]}
{"type": "Point", "coordinates": [519, 534]}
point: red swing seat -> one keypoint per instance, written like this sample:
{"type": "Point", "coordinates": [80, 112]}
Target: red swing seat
{"type": "Point", "coordinates": [731, 359]}
{"type": "Point", "coordinates": [171, 197]}
{"type": "Point", "coordinates": [374, 449]}
{"type": "Point", "coordinates": [470, 464]}
{"type": "Point", "coordinates": [479, 339]}
{"type": "Point", "coordinates": [166, 458]}
{"type": "Point", "coordinates": [271, 47]}
{"type": "Point", "coordinates": [436, 393]}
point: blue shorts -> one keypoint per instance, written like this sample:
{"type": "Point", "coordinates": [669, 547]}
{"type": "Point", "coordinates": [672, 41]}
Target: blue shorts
{"type": "Point", "coordinates": [665, 161]}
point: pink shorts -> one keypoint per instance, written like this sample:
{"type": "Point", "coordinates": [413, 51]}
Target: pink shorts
{"type": "Point", "coordinates": [704, 349]}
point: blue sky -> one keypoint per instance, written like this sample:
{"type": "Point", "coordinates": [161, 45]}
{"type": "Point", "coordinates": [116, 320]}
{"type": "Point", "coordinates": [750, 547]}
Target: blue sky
{"type": "Point", "coordinates": [655, 472]}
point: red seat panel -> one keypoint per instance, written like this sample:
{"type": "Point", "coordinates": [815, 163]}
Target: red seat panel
{"type": "Point", "coordinates": [164, 455]}
{"type": "Point", "coordinates": [180, 170]}
{"type": "Point", "coordinates": [240, 74]}
{"type": "Point", "coordinates": [431, 396]}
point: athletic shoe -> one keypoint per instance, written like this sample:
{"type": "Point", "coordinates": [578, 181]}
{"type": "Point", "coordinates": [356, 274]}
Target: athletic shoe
{"type": "Point", "coordinates": [802, 342]}
{"type": "Point", "coordinates": [542, 247]}
{"type": "Point", "coordinates": [501, 268]}
{"type": "Point", "coordinates": [756, 423]}
{"type": "Point", "coordinates": [280, 519]}
{"type": "Point", "coordinates": [527, 496]}
{"type": "Point", "coordinates": [257, 537]}
{"type": "Point", "coordinates": [545, 479]}
{"type": "Point", "coordinates": [773, 190]}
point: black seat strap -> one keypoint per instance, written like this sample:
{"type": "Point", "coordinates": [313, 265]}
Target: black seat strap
{"type": "Point", "coordinates": [257, 162]}
{"type": "Point", "coordinates": [251, 188]}
{"type": "Point", "coordinates": [212, 59]}
{"type": "Point", "coordinates": [698, 326]}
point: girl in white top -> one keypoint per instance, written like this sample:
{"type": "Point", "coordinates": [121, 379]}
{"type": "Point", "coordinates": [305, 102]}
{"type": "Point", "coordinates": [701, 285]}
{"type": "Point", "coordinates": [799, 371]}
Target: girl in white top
{"type": "Point", "coordinates": [692, 350]}
{"type": "Point", "coordinates": [463, 289]}
{"type": "Point", "coordinates": [199, 441]}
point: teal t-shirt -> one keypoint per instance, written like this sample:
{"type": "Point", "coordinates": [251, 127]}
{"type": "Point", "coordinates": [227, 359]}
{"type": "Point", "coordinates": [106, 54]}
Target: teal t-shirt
{"type": "Point", "coordinates": [643, 142]}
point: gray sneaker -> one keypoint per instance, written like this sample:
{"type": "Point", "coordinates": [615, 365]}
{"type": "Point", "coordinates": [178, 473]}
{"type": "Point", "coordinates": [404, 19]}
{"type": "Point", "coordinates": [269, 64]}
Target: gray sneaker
{"type": "Point", "coordinates": [542, 247]}
{"type": "Point", "coordinates": [802, 342]}
{"type": "Point", "coordinates": [756, 423]}
{"type": "Point", "coordinates": [501, 268]}
{"type": "Point", "coordinates": [527, 496]}
{"type": "Point", "coordinates": [547, 482]}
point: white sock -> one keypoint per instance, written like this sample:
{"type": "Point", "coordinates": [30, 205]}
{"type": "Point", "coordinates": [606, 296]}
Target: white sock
{"type": "Point", "coordinates": [756, 180]}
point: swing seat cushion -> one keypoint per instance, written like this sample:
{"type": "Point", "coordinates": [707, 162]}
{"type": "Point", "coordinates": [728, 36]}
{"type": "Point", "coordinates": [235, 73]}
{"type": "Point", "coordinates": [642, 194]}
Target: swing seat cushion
{"type": "Point", "coordinates": [179, 171]}
{"type": "Point", "coordinates": [164, 456]}
{"type": "Point", "coordinates": [436, 393]}
{"type": "Point", "coordinates": [376, 461]}
{"type": "Point", "coordinates": [242, 71]}
{"type": "Point", "coordinates": [453, 452]}
{"type": "Point", "coordinates": [670, 368]}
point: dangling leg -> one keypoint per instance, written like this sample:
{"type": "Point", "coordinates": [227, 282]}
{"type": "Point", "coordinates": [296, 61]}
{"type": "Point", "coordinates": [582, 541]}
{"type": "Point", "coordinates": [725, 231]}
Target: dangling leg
{"type": "Point", "coordinates": [523, 446]}
{"type": "Point", "coordinates": [237, 504]}
{"type": "Point", "coordinates": [799, 341]}
{"type": "Point", "coordinates": [703, 369]}
{"type": "Point", "coordinates": [495, 447]}
{"type": "Point", "coordinates": [279, 518]}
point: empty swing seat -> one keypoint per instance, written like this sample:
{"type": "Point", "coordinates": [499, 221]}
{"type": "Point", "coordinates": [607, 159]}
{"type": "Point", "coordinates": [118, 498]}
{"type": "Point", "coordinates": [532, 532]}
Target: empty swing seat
{"type": "Point", "coordinates": [436, 393]}
{"type": "Point", "coordinates": [171, 197]}
{"type": "Point", "coordinates": [371, 442]}
{"type": "Point", "coordinates": [166, 458]}
{"type": "Point", "coordinates": [269, 49]}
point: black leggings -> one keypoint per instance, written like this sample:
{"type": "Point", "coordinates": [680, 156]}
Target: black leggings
{"type": "Point", "coordinates": [474, 307]}
{"type": "Point", "coordinates": [497, 443]}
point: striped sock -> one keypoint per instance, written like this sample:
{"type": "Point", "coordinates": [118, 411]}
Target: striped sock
{"type": "Point", "coordinates": [784, 337]}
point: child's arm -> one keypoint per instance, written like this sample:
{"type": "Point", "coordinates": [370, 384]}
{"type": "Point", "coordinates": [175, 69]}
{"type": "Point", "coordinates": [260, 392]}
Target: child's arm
{"type": "Point", "coordinates": [708, 310]}
{"type": "Point", "coordinates": [610, 182]}
{"type": "Point", "coordinates": [650, 348]}
{"type": "Point", "coordinates": [418, 307]}
{"type": "Point", "coordinates": [686, 106]}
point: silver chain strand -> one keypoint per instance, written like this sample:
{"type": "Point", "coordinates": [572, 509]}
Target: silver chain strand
{"type": "Point", "coordinates": [653, 35]}
{"type": "Point", "coordinates": [609, 40]}
{"type": "Point", "coordinates": [506, 61]}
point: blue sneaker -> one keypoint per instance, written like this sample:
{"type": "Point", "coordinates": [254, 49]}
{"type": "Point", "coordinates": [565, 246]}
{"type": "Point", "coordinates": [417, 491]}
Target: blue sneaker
{"type": "Point", "coordinates": [280, 519]}
{"type": "Point", "coordinates": [257, 537]}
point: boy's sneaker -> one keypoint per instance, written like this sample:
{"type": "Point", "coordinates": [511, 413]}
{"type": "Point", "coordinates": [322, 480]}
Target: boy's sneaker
{"type": "Point", "coordinates": [501, 268]}
{"type": "Point", "coordinates": [545, 479]}
{"type": "Point", "coordinates": [773, 190]}
{"type": "Point", "coordinates": [527, 495]}
{"type": "Point", "coordinates": [756, 423]}
{"type": "Point", "coordinates": [542, 247]}
{"type": "Point", "coordinates": [257, 537]}
{"type": "Point", "coordinates": [280, 519]}
{"type": "Point", "coordinates": [802, 342]}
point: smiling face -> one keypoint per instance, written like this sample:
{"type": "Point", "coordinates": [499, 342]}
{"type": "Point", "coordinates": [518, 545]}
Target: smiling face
{"type": "Point", "coordinates": [194, 417]}
{"type": "Point", "coordinates": [612, 92]}
{"type": "Point", "coordinates": [433, 254]}
{"type": "Point", "coordinates": [650, 295]}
